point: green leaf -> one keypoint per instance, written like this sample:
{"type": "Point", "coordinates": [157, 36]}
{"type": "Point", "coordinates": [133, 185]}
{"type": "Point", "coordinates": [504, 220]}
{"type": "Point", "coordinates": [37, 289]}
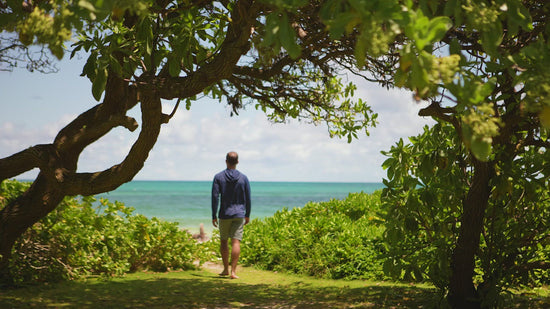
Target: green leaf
{"type": "Point", "coordinates": [481, 148]}
{"type": "Point", "coordinates": [450, 7]}
{"type": "Point", "coordinates": [272, 22]}
{"type": "Point", "coordinates": [338, 25]}
{"type": "Point", "coordinates": [518, 16]}
{"type": "Point", "coordinates": [425, 31]}
{"type": "Point", "coordinates": [491, 38]}
{"type": "Point", "coordinates": [145, 34]}
{"type": "Point", "coordinates": [438, 27]}
{"type": "Point", "coordinates": [419, 76]}
{"type": "Point", "coordinates": [288, 38]}
{"type": "Point", "coordinates": [89, 68]}
{"type": "Point", "coordinates": [174, 67]}
{"type": "Point", "coordinates": [149, 43]}
{"type": "Point", "coordinates": [361, 50]}
{"type": "Point", "coordinates": [76, 49]}
{"type": "Point", "coordinates": [115, 65]}
{"type": "Point", "coordinates": [454, 47]}
{"type": "Point", "coordinates": [86, 5]}
{"type": "Point", "coordinates": [99, 83]}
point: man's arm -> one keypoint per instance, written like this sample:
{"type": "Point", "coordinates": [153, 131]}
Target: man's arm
{"type": "Point", "coordinates": [215, 201]}
{"type": "Point", "coordinates": [248, 202]}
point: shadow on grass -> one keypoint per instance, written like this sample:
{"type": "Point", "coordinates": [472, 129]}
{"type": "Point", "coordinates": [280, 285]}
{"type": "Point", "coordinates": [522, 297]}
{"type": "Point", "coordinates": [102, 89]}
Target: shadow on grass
{"type": "Point", "coordinates": [205, 290]}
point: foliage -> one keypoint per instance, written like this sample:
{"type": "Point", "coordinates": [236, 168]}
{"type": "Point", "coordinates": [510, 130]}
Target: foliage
{"type": "Point", "coordinates": [425, 189]}
{"type": "Point", "coordinates": [177, 40]}
{"type": "Point", "coordinates": [460, 50]}
{"type": "Point", "coordinates": [334, 239]}
{"type": "Point", "coordinates": [52, 23]}
{"type": "Point", "coordinates": [83, 237]}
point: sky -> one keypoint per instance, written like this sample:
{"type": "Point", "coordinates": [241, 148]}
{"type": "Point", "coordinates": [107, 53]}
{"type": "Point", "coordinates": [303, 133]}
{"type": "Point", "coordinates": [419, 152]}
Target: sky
{"type": "Point", "coordinates": [192, 146]}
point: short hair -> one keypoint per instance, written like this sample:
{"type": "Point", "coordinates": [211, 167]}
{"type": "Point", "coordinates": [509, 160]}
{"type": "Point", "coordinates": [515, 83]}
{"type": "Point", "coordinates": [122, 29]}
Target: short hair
{"type": "Point", "coordinates": [232, 158]}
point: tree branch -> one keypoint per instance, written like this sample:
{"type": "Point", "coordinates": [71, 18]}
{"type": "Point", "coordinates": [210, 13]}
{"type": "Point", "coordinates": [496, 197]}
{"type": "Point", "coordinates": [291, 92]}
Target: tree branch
{"type": "Point", "coordinates": [110, 179]}
{"type": "Point", "coordinates": [236, 44]}
{"type": "Point", "coordinates": [34, 157]}
{"type": "Point", "coordinates": [532, 266]}
{"type": "Point", "coordinates": [435, 110]}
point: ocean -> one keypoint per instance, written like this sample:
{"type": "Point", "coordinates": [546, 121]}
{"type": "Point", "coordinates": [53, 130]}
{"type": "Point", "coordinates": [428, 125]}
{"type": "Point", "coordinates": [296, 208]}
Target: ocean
{"type": "Point", "coordinates": [188, 202]}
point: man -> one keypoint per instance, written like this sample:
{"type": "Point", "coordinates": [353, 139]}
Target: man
{"type": "Point", "coordinates": [234, 210]}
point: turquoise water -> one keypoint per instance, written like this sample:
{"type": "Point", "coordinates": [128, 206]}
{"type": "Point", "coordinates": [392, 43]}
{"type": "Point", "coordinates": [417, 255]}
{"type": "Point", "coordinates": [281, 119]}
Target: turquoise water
{"type": "Point", "coordinates": [188, 202]}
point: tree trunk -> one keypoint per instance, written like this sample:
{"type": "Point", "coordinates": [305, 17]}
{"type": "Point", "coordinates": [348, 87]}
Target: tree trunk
{"type": "Point", "coordinates": [462, 292]}
{"type": "Point", "coordinates": [58, 164]}
{"type": "Point", "coordinates": [41, 198]}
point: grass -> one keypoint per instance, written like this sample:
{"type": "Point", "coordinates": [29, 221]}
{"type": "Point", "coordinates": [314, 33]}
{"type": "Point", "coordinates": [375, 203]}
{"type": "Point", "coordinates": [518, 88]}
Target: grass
{"type": "Point", "coordinates": [254, 289]}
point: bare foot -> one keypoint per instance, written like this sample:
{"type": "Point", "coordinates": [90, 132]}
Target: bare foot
{"type": "Point", "coordinates": [224, 273]}
{"type": "Point", "coordinates": [233, 276]}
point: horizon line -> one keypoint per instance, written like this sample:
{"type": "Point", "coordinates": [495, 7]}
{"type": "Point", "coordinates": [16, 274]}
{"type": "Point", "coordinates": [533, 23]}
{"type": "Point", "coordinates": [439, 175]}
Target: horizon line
{"type": "Point", "coordinates": [287, 181]}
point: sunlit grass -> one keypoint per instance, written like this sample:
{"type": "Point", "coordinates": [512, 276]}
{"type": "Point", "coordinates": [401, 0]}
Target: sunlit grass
{"type": "Point", "coordinates": [255, 289]}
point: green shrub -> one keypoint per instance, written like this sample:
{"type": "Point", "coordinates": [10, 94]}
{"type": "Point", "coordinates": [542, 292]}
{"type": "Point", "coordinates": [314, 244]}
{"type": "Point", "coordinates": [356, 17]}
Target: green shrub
{"type": "Point", "coordinates": [428, 181]}
{"type": "Point", "coordinates": [83, 236]}
{"type": "Point", "coordinates": [339, 239]}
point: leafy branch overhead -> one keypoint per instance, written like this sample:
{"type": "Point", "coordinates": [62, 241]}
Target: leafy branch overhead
{"type": "Point", "coordinates": [184, 51]}
{"type": "Point", "coordinates": [428, 47]}
{"type": "Point", "coordinates": [448, 53]}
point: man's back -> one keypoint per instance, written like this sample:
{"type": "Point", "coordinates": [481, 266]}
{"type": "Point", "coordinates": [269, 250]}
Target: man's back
{"type": "Point", "coordinates": [234, 189]}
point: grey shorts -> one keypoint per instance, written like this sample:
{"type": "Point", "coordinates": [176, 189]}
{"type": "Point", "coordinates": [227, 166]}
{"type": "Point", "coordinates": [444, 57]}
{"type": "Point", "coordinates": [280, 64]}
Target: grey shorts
{"type": "Point", "coordinates": [231, 228]}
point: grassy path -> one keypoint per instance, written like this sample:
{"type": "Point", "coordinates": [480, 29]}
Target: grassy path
{"type": "Point", "coordinates": [205, 289]}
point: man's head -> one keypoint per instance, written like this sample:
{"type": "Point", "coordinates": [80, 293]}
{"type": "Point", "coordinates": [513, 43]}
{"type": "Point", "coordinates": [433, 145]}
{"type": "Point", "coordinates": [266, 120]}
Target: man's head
{"type": "Point", "coordinates": [232, 159]}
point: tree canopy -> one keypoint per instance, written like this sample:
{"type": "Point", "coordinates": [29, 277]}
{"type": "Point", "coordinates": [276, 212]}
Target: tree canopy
{"type": "Point", "coordinates": [481, 65]}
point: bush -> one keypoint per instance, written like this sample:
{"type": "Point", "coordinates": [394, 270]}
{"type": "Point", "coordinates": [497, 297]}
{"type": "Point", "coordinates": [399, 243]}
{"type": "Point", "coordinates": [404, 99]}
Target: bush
{"type": "Point", "coordinates": [83, 237]}
{"type": "Point", "coordinates": [339, 239]}
{"type": "Point", "coordinates": [428, 181]}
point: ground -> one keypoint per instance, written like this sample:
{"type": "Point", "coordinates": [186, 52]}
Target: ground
{"type": "Point", "coordinates": [205, 289]}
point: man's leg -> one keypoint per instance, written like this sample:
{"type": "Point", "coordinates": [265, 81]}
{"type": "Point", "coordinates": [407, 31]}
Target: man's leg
{"type": "Point", "coordinates": [235, 252]}
{"type": "Point", "coordinates": [224, 250]}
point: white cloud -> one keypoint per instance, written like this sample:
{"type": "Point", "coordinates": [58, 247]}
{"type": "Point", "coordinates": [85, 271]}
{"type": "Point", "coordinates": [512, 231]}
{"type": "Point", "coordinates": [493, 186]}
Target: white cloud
{"type": "Point", "coordinates": [193, 145]}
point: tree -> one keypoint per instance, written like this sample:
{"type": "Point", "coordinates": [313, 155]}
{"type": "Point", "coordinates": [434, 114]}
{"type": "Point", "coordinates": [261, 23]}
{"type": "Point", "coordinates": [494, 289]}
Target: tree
{"type": "Point", "coordinates": [481, 66]}
{"type": "Point", "coordinates": [143, 52]}
{"type": "Point", "coordinates": [428, 181]}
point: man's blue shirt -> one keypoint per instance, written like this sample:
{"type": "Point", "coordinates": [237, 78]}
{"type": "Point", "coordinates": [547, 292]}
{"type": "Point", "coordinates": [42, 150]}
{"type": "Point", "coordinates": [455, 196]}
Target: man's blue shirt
{"type": "Point", "coordinates": [234, 189]}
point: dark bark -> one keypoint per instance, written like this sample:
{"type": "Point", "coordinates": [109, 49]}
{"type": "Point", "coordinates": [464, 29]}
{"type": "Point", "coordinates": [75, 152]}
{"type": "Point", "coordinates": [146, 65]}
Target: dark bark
{"type": "Point", "coordinates": [462, 292]}
{"type": "Point", "coordinates": [58, 177]}
{"type": "Point", "coordinates": [41, 198]}
{"type": "Point", "coordinates": [58, 164]}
